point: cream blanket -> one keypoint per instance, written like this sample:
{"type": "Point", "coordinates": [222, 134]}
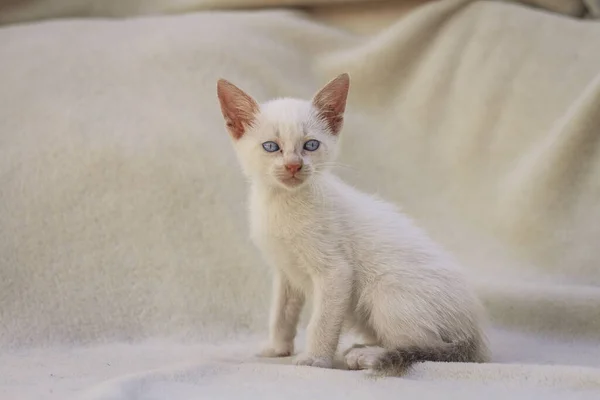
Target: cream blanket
{"type": "Point", "coordinates": [125, 267]}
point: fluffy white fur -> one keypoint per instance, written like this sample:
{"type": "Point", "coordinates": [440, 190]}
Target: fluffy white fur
{"type": "Point", "coordinates": [367, 266]}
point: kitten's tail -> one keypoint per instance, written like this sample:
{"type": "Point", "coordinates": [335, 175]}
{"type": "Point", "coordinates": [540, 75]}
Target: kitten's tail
{"type": "Point", "coordinates": [396, 362]}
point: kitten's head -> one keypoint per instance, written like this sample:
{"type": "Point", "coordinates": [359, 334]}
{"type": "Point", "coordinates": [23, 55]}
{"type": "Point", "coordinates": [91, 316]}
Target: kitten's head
{"type": "Point", "coordinates": [285, 142]}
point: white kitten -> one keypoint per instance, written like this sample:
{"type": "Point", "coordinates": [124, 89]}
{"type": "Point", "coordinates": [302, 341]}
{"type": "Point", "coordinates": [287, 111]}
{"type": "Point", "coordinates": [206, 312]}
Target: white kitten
{"type": "Point", "coordinates": [365, 264]}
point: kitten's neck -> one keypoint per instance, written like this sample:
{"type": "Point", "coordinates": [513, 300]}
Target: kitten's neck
{"type": "Point", "coordinates": [310, 193]}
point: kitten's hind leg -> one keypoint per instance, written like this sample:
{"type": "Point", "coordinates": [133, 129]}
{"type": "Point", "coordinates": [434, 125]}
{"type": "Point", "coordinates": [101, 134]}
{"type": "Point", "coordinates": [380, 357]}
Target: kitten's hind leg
{"type": "Point", "coordinates": [369, 338]}
{"type": "Point", "coordinates": [363, 357]}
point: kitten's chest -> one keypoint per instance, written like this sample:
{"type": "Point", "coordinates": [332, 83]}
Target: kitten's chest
{"type": "Point", "coordinates": [283, 222]}
{"type": "Point", "coordinates": [287, 238]}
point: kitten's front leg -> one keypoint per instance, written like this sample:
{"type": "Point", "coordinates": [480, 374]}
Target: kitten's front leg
{"type": "Point", "coordinates": [332, 290]}
{"type": "Point", "coordinates": [286, 306]}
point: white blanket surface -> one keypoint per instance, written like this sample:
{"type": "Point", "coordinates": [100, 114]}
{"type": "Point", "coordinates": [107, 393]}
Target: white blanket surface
{"type": "Point", "coordinates": [126, 271]}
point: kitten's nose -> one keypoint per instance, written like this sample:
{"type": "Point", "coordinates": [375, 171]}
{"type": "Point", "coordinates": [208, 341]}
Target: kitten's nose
{"type": "Point", "coordinates": [293, 167]}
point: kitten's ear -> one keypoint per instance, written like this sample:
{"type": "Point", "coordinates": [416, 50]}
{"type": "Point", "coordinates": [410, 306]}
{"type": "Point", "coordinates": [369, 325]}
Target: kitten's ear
{"type": "Point", "coordinates": [238, 108]}
{"type": "Point", "coordinates": [331, 102]}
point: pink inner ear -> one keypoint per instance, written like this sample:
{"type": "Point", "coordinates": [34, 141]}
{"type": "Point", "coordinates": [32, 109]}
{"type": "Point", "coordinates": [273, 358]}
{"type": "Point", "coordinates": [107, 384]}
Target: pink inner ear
{"type": "Point", "coordinates": [331, 102]}
{"type": "Point", "coordinates": [236, 128]}
{"type": "Point", "coordinates": [238, 108]}
{"type": "Point", "coordinates": [336, 124]}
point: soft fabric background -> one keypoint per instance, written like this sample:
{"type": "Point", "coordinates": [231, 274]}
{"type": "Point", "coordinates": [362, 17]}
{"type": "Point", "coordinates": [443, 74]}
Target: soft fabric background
{"type": "Point", "coordinates": [125, 267]}
{"type": "Point", "coordinates": [12, 11]}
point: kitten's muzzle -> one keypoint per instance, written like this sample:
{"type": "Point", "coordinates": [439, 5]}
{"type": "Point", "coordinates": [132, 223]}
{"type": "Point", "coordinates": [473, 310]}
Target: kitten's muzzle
{"type": "Point", "coordinates": [293, 168]}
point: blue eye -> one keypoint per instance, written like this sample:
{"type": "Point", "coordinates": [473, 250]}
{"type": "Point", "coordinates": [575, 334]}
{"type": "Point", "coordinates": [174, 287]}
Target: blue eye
{"type": "Point", "coordinates": [271, 147]}
{"type": "Point", "coordinates": [312, 145]}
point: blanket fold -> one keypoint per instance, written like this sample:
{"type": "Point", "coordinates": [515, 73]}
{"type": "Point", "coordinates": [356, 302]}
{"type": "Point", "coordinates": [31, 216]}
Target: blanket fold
{"type": "Point", "coordinates": [16, 11]}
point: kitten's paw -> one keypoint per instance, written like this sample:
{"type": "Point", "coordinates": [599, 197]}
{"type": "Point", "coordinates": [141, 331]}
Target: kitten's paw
{"type": "Point", "coordinates": [363, 357]}
{"type": "Point", "coordinates": [312, 361]}
{"type": "Point", "coordinates": [279, 350]}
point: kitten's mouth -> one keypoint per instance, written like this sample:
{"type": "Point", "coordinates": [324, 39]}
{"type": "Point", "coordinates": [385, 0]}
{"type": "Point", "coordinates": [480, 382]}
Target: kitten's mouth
{"type": "Point", "coordinates": [291, 181]}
